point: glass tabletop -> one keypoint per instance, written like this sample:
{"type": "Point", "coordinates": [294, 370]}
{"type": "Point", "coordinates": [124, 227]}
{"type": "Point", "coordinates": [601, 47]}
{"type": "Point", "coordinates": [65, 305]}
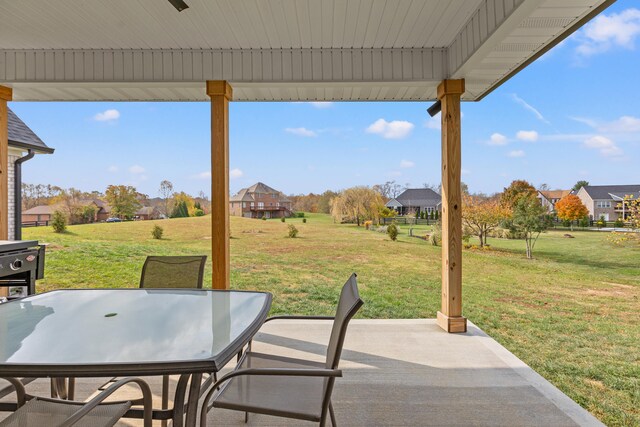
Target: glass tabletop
{"type": "Point", "coordinates": [126, 327]}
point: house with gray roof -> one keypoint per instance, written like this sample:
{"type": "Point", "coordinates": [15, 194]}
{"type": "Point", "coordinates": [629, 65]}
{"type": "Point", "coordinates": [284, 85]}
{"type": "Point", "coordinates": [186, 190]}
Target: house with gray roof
{"type": "Point", "coordinates": [260, 201]}
{"type": "Point", "coordinates": [414, 200]}
{"type": "Point", "coordinates": [606, 201]}
{"type": "Point", "coordinates": [23, 145]}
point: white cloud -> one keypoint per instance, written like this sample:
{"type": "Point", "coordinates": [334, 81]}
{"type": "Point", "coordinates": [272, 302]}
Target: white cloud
{"type": "Point", "coordinates": [434, 122]}
{"type": "Point", "coordinates": [608, 31]}
{"type": "Point", "coordinates": [625, 124]}
{"type": "Point", "coordinates": [406, 164]}
{"type": "Point", "coordinates": [606, 146]}
{"type": "Point", "coordinates": [516, 153]}
{"type": "Point", "coordinates": [302, 132]}
{"type": "Point", "coordinates": [498, 139]}
{"type": "Point", "coordinates": [396, 129]}
{"type": "Point", "coordinates": [529, 107]}
{"type": "Point", "coordinates": [107, 116]}
{"type": "Point", "coordinates": [202, 175]}
{"type": "Point", "coordinates": [235, 173]}
{"type": "Point", "coordinates": [465, 172]}
{"type": "Point", "coordinates": [527, 135]}
{"type": "Point", "coordinates": [136, 169]}
{"type": "Point", "coordinates": [112, 169]}
{"type": "Point", "coordinates": [394, 174]}
{"type": "Point", "coordinates": [322, 105]}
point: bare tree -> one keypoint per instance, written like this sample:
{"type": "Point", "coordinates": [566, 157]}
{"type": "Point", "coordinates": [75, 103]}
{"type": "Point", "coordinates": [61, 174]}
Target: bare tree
{"type": "Point", "coordinates": [166, 193]}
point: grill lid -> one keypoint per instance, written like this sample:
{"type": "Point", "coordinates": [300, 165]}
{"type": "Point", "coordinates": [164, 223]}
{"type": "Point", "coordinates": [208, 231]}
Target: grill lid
{"type": "Point", "coordinates": [16, 245]}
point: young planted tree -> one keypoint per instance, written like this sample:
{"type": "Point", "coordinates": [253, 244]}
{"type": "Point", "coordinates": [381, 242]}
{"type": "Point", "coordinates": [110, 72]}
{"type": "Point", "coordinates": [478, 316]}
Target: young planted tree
{"type": "Point", "coordinates": [528, 219]}
{"type": "Point", "coordinates": [482, 215]}
{"type": "Point", "coordinates": [570, 208]}
{"type": "Point", "coordinates": [123, 200]}
{"type": "Point", "coordinates": [516, 190]}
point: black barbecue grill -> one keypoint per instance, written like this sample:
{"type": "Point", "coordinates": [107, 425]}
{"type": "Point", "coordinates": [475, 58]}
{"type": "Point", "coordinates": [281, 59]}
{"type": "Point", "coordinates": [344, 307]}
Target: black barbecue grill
{"type": "Point", "coordinates": [21, 263]}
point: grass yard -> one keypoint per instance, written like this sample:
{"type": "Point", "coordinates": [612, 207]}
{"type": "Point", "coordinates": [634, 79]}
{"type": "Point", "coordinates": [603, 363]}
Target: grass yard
{"type": "Point", "coordinates": [572, 314]}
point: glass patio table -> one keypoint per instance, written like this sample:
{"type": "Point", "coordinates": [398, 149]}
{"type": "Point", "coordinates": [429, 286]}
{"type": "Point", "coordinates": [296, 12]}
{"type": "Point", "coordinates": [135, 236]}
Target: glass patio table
{"type": "Point", "coordinates": [130, 332]}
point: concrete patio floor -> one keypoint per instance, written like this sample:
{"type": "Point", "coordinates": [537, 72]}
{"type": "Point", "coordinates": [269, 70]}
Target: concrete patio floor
{"type": "Point", "coordinates": [408, 373]}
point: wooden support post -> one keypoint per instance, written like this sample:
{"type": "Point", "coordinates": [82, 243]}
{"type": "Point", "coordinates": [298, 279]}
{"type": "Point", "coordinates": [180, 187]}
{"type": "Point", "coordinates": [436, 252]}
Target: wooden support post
{"type": "Point", "coordinates": [220, 93]}
{"type": "Point", "coordinates": [450, 317]}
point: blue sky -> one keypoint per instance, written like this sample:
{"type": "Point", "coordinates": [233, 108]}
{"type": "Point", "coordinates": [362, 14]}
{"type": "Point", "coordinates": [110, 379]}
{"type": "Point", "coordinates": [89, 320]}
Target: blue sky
{"type": "Point", "coordinates": [574, 114]}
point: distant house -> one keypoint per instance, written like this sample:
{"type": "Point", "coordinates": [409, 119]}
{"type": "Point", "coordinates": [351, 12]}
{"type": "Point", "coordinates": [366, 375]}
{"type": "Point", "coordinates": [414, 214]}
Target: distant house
{"type": "Point", "coordinates": [147, 212]}
{"type": "Point", "coordinates": [548, 199]}
{"type": "Point", "coordinates": [23, 144]}
{"type": "Point", "coordinates": [415, 200]}
{"type": "Point", "coordinates": [606, 200]}
{"type": "Point", "coordinates": [259, 201]}
{"type": "Point", "coordinates": [37, 214]}
{"type": "Point", "coordinates": [43, 213]}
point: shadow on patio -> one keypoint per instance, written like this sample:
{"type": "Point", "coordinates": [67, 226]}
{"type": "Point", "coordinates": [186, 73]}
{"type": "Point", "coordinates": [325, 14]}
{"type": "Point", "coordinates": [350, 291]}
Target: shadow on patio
{"type": "Point", "coordinates": [410, 372]}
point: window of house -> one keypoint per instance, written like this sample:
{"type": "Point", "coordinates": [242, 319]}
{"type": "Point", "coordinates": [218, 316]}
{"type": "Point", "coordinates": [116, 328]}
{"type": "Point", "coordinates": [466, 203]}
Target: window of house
{"type": "Point", "coordinates": [603, 204]}
{"type": "Point", "coordinates": [260, 205]}
{"type": "Point", "coordinates": [252, 204]}
{"type": "Point", "coordinates": [278, 204]}
{"type": "Point", "coordinates": [244, 204]}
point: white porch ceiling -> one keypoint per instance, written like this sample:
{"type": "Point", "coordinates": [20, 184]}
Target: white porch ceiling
{"type": "Point", "coordinates": [274, 50]}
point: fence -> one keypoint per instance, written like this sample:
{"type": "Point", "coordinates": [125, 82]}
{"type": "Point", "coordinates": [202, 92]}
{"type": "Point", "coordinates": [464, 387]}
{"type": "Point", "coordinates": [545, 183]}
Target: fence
{"type": "Point", "coordinates": [34, 223]}
{"type": "Point", "coordinates": [408, 220]}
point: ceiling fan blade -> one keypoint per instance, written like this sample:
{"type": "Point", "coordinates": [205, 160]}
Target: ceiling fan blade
{"type": "Point", "coordinates": [179, 4]}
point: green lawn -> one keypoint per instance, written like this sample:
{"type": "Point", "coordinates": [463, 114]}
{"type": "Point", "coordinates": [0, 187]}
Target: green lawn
{"type": "Point", "coordinates": [572, 313]}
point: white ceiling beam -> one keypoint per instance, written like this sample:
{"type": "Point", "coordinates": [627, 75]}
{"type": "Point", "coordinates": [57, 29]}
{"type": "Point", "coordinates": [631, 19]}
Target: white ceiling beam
{"type": "Point", "coordinates": [242, 65]}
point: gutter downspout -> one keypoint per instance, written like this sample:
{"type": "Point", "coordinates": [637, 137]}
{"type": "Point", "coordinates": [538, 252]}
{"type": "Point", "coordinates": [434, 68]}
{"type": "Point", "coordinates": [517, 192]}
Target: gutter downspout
{"type": "Point", "coordinates": [17, 194]}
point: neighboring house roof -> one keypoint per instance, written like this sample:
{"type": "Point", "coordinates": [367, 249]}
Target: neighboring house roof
{"type": "Point", "coordinates": [39, 210]}
{"type": "Point", "coordinates": [600, 192]}
{"type": "Point", "coordinates": [555, 194]}
{"type": "Point", "coordinates": [242, 196]}
{"type": "Point", "coordinates": [49, 209]}
{"type": "Point", "coordinates": [393, 203]}
{"type": "Point", "coordinates": [21, 136]}
{"type": "Point", "coordinates": [246, 194]}
{"type": "Point", "coordinates": [419, 197]}
{"type": "Point", "coordinates": [146, 210]}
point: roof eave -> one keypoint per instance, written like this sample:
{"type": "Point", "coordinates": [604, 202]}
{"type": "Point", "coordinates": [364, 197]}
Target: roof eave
{"type": "Point", "coordinates": [37, 149]}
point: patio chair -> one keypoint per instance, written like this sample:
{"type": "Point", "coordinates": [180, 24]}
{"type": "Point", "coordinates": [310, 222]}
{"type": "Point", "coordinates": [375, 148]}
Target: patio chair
{"type": "Point", "coordinates": [284, 386]}
{"type": "Point", "coordinates": [41, 411]}
{"type": "Point", "coordinates": [173, 272]}
{"type": "Point", "coordinates": [170, 272]}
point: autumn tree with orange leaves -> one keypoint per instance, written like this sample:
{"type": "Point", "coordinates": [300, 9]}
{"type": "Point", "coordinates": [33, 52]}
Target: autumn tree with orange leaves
{"type": "Point", "coordinates": [482, 215]}
{"type": "Point", "coordinates": [571, 208]}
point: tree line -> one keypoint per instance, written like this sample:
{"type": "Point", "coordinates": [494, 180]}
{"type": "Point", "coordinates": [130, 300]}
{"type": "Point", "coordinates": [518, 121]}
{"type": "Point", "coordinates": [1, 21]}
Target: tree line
{"type": "Point", "coordinates": [80, 207]}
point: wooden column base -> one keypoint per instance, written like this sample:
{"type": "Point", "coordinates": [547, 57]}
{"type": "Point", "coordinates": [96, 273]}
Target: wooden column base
{"type": "Point", "coordinates": [452, 324]}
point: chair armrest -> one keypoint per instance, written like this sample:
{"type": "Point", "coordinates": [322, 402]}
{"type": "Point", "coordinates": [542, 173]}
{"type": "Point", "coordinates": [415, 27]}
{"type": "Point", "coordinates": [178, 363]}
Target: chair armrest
{"type": "Point", "coordinates": [290, 372]}
{"type": "Point", "coordinates": [295, 317]}
{"type": "Point", "coordinates": [19, 388]}
{"type": "Point", "coordinates": [87, 407]}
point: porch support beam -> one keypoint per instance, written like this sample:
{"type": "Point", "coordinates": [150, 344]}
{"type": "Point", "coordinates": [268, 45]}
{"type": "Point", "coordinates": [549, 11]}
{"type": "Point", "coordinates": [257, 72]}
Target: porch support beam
{"type": "Point", "coordinates": [450, 316]}
{"type": "Point", "coordinates": [6, 94]}
{"type": "Point", "coordinates": [220, 93]}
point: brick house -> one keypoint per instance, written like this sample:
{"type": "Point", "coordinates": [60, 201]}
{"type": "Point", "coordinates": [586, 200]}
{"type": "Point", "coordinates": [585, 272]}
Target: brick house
{"type": "Point", "coordinates": [414, 200]}
{"type": "Point", "coordinates": [548, 199]}
{"type": "Point", "coordinates": [23, 145]}
{"type": "Point", "coordinates": [259, 201]}
{"type": "Point", "coordinates": [606, 200]}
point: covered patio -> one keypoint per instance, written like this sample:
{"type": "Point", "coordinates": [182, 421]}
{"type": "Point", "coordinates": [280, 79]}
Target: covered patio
{"type": "Point", "coordinates": [434, 51]}
{"type": "Point", "coordinates": [420, 377]}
